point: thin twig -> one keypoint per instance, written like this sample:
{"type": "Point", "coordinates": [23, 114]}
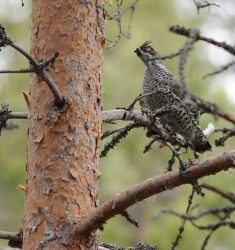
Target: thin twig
{"type": "Point", "coordinates": [205, 4]}
{"type": "Point", "coordinates": [29, 70]}
{"type": "Point", "coordinates": [130, 219]}
{"type": "Point", "coordinates": [118, 17]}
{"type": "Point", "coordinates": [222, 69]}
{"type": "Point", "coordinates": [229, 132]}
{"type": "Point", "coordinates": [206, 240]}
{"type": "Point", "coordinates": [210, 108]}
{"type": "Point", "coordinates": [181, 229]}
{"type": "Point", "coordinates": [193, 217]}
{"type": "Point", "coordinates": [186, 32]}
{"type": "Point", "coordinates": [227, 195]}
{"type": "Point", "coordinates": [39, 68]}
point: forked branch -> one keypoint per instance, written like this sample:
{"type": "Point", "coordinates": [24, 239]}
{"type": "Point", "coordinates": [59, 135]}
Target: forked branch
{"type": "Point", "coordinates": [39, 68]}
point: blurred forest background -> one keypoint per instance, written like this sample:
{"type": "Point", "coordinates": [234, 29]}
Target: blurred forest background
{"type": "Point", "coordinates": [122, 80]}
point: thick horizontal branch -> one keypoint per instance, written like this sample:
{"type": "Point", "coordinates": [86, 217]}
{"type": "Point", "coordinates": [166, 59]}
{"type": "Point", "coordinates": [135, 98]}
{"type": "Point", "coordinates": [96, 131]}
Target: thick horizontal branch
{"type": "Point", "coordinates": [123, 114]}
{"type": "Point", "coordinates": [9, 236]}
{"type": "Point", "coordinates": [152, 186]}
{"type": "Point", "coordinates": [137, 116]}
{"type": "Point", "coordinates": [107, 116]}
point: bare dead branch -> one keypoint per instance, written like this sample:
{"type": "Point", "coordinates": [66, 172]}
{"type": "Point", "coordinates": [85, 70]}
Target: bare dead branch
{"type": "Point", "coordinates": [193, 217]}
{"type": "Point", "coordinates": [9, 236]}
{"type": "Point", "coordinates": [130, 219]}
{"type": "Point", "coordinates": [170, 56]}
{"type": "Point", "coordinates": [206, 240]}
{"type": "Point", "coordinates": [5, 114]}
{"type": "Point", "coordinates": [126, 115]}
{"type": "Point", "coordinates": [222, 69]}
{"type": "Point", "coordinates": [117, 17]}
{"type": "Point", "coordinates": [228, 132]}
{"type": "Point", "coordinates": [29, 70]}
{"type": "Point", "coordinates": [140, 246]}
{"type": "Point", "coordinates": [15, 239]}
{"type": "Point", "coordinates": [134, 115]}
{"type": "Point", "coordinates": [214, 226]}
{"type": "Point", "coordinates": [181, 229]}
{"type": "Point", "coordinates": [203, 4]}
{"type": "Point", "coordinates": [180, 30]}
{"type": "Point", "coordinates": [18, 115]}
{"type": "Point", "coordinates": [193, 33]}
{"type": "Point", "coordinates": [152, 186]}
{"type": "Point", "coordinates": [227, 195]}
{"type": "Point", "coordinates": [211, 108]}
{"type": "Point", "coordinates": [137, 116]}
{"type": "Point", "coordinates": [39, 68]}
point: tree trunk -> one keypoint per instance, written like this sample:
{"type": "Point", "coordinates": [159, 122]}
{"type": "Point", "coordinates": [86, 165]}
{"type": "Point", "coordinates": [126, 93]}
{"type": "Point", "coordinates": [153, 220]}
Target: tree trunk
{"type": "Point", "coordinates": [63, 145]}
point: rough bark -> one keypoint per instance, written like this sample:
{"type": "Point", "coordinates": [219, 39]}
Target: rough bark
{"type": "Point", "coordinates": [63, 145]}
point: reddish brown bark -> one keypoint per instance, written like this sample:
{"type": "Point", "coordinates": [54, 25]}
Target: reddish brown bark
{"type": "Point", "coordinates": [63, 145]}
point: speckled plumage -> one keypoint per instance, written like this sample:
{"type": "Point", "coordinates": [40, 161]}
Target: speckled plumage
{"type": "Point", "coordinates": [167, 95]}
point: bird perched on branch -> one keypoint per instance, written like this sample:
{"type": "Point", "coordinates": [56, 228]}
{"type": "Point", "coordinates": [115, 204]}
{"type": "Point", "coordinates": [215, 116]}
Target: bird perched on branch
{"type": "Point", "coordinates": [163, 97]}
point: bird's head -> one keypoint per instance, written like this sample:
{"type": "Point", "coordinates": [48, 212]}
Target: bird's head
{"type": "Point", "coordinates": [147, 54]}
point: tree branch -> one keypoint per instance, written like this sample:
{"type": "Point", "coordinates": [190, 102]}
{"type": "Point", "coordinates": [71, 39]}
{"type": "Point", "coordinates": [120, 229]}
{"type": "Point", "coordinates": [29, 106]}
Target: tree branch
{"type": "Point", "coordinates": [222, 69]}
{"type": "Point", "coordinates": [127, 115]}
{"type": "Point", "coordinates": [152, 186]}
{"type": "Point", "coordinates": [211, 108]}
{"type": "Point", "coordinates": [9, 236]}
{"type": "Point", "coordinates": [227, 195]}
{"type": "Point", "coordinates": [180, 30]}
{"type": "Point", "coordinates": [203, 4]}
{"type": "Point", "coordinates": [39, 68]}
{"type": "Point", "coordinates": [29, 70]}
{"type": "Point", "coordinates": [18, 115]}
{"type": "Point", "coordinates": [137, 116]}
